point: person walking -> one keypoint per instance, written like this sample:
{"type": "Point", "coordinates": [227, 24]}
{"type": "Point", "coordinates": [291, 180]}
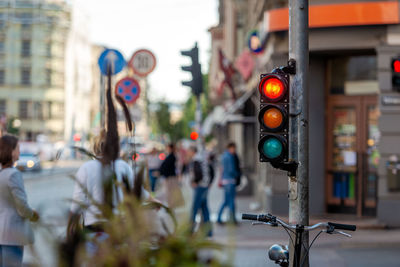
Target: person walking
{"type": "Point", "coordinates": [168, 172]}
{"type": "Point", "coordinates": [15, 212]}
{"type": "Point", "coordinates": [153, 163]}
{"type": "Point", "coordinates": [202, 175]}
{"type": "Point", "coordinates": [228, 180]}
{"type": "Point", "coordinates": [90, 182]}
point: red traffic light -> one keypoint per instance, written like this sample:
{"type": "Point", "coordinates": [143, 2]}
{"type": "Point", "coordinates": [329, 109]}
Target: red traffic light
{"type": "Point", "coordinates": [273, 87]}
{"type": "Point", "coordinates": [194, 135]}
{"type": "Point", "coordinates": [396, 65]}
{"type": "Point", "coordinates": [162, 156]}
{"type": "Point", "coordinates": [77, 137]}
{"type": "Point", "coordinates": [135, 157]}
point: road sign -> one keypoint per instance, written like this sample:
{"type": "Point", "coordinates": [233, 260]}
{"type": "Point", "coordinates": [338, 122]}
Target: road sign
{"type": "Point", "coordinates": [112, 58]}
{"type": "Point", "coordinates": [129, 89]}
{"type": "Point", "coordinates": [142, 62]}
{"type": "Point", "coordinates": [254, 42]}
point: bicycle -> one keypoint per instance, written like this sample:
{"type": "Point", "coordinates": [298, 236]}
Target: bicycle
{"type": "Point", "coordinates": [280, 253]}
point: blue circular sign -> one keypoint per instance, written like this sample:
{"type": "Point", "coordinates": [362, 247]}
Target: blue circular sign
{"type": "Point", "coordinates": [254, 42]}
{"type": "Point", "coordinates": [113, 59]}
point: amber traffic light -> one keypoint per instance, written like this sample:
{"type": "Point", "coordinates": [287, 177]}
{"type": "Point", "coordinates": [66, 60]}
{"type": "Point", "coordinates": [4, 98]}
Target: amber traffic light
{"type": "Point", "coordinates": [273, 117]}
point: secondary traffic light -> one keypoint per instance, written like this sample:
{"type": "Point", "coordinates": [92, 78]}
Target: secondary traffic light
{"type": "Point", "coordinates": [195, 69]}
{"type": "Point", "coordinates": [396, 74]}
{"type": "Point", "coordinates": [274, 117]}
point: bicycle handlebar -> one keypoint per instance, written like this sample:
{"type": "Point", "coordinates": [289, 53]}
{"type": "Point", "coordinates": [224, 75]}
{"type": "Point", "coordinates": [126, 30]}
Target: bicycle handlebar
{"type": "Point", "coordinates": [339, 226]}
{"type": "Point", "coordinates": [251, 217]}
{"type": "Point", "coordinates": [268, 218]}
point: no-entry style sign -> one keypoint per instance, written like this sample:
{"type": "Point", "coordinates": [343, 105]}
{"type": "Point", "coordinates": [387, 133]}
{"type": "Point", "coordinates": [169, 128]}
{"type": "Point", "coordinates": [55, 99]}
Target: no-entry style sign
{"type": "Point", "coordinates": [129, 89]}
{"type": "Point", "coordinates": [142, 62]}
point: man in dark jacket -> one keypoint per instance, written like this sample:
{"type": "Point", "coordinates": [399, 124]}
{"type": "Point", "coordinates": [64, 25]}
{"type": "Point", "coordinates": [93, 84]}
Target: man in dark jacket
{"type": "Point", "coordinates": [202, 175]}
{"type": "Point", "coordinates": [168, 171]}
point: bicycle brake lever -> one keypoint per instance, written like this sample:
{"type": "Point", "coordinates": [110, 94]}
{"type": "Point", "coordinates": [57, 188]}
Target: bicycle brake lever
{"type": "Point", "coordinates": [263, 223]}
{"type": "Point", "coordinates": [343, 233]}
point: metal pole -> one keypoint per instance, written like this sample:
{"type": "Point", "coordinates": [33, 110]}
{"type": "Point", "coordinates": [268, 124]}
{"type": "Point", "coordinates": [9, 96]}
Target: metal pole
{"type": "Point", "coordinates": [102, 103]}
{"type": "Point", "coordinates": [198, 116]}
{"type": "Point", "coordinates": [298, 50]}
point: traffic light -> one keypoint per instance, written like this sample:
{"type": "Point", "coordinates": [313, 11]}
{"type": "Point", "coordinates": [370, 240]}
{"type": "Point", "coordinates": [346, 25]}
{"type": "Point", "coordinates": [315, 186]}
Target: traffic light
{"type": "Point", "coordinates": [396, 74]}
{"type": "Point", "coordinates": [194, 136]}
{"type": "Point", "coordinates": [274, 117]}
{"type": "Point", "coordinates": [195, 69]}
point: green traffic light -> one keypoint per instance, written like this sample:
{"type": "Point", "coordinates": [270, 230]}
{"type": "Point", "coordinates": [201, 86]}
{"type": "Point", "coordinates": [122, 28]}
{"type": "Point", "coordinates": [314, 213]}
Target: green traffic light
{"type": "Point", "coordinates": [272, 148]}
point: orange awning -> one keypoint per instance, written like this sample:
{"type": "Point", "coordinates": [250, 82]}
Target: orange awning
{"type": "Point", "coordinates": [336, 15]}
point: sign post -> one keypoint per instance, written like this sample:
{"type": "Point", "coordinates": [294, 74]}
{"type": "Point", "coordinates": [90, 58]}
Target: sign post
{"type": "Point", "coordinates": [110, 62]}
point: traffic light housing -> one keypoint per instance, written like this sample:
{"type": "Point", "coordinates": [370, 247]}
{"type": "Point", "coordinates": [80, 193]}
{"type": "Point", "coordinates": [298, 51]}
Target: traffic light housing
{"type": "Point", "coordinates": [195, 69]}
{"type": "Point", "coordinates": [273, 117]}
{"type": "Point", "coordinates": [396, 74]}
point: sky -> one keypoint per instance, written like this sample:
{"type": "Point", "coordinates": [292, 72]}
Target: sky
{"type": "Point", "coordinates": [164, 27]}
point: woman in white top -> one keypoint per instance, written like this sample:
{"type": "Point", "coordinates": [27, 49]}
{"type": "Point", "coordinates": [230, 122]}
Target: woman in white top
{"type": "Point", "coordinates": [15, 231]}
{"type": "Point", "coordinates": [90, 176]}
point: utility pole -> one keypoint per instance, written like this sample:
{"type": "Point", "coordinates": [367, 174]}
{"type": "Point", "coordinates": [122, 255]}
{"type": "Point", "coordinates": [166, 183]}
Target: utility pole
{"type": "Point", "coordinates": [299, 185]}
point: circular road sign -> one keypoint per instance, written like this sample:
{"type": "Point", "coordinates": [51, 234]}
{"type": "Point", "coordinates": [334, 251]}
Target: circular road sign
{"type": "Point", "coordinates": [254, 42]}
{"type": "Point", "coordinates": [142, 62]}
{"type": "Point", "coordinates": [129, 89]}
{"type": "Point", "coordinates": [112, 58]}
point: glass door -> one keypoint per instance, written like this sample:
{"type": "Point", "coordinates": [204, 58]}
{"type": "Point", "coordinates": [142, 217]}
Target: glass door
{"type": "Point", "coordinates": [352, 136]}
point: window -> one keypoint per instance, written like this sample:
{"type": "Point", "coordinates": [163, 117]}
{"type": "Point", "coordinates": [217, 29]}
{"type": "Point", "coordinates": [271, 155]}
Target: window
{"type": "Point", "coordinates": [3, 107]}
{"type": "Point", "coordinates": [24, 109]}
{"type": "Point", "coordinates": [48, 49]}
{"type": "Point", "coordinates": [2, 77]}
{"type": "Point", "coordinates": [26, 76]}
{"type": "Point", "coordinates": [1, 47]}
{"type": "Point", "coordinates": [48, 77]}
{"type": "Point", "coordinates": [38, 110]}
{"type": "Point", "coordinates": [351, 70]}
{"type": "Point", "coordinates": [26, 48]}
{"type": "Point", "coordinates": [47, 110]}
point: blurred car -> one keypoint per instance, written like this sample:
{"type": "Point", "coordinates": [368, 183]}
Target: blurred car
{"type": "Point", "coordinates": [28, 162]}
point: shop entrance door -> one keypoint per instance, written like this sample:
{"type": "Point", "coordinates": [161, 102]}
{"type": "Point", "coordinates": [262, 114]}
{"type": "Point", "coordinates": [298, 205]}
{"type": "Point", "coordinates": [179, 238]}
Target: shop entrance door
{"type": "Point", "coordinates": [352, 155]}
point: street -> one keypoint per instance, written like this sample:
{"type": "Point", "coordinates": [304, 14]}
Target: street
{"type": "Point", "coordinates": [247, 245]}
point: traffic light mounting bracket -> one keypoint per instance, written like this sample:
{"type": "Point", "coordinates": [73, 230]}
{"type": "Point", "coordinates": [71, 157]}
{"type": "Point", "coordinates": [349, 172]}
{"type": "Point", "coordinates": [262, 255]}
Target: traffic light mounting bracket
{"type": "Point", "coordinates": [290, 167]}
{"type": "Point", "coordinates": [289, 69]}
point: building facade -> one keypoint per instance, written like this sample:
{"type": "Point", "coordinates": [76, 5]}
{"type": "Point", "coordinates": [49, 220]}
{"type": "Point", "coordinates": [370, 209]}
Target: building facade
{"type": "Point", "coordinates": [32, 53]}
{"type": "Point", "coordinates": [353, 109]}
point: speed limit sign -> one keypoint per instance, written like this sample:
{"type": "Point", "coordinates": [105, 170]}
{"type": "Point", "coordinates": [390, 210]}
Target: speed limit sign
{"type": "Point", "coordinates": [142, 62]}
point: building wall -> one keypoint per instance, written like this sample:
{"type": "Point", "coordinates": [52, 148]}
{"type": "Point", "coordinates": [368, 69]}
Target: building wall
{"type": "Point", "coordinates": [389, 126]}
{"type": "Point", "coordinates": [40, 28]}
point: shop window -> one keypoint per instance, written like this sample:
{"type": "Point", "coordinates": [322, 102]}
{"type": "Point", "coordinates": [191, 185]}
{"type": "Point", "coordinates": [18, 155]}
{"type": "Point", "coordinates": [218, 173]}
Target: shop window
{"type": "Point", "coordinates": [25, 76]}
{"type": "Point", "coordinates": [353, 75]}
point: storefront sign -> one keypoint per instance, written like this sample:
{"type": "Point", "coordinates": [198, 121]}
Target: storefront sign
{"type": "Point", "coordinates": [391, 100]}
